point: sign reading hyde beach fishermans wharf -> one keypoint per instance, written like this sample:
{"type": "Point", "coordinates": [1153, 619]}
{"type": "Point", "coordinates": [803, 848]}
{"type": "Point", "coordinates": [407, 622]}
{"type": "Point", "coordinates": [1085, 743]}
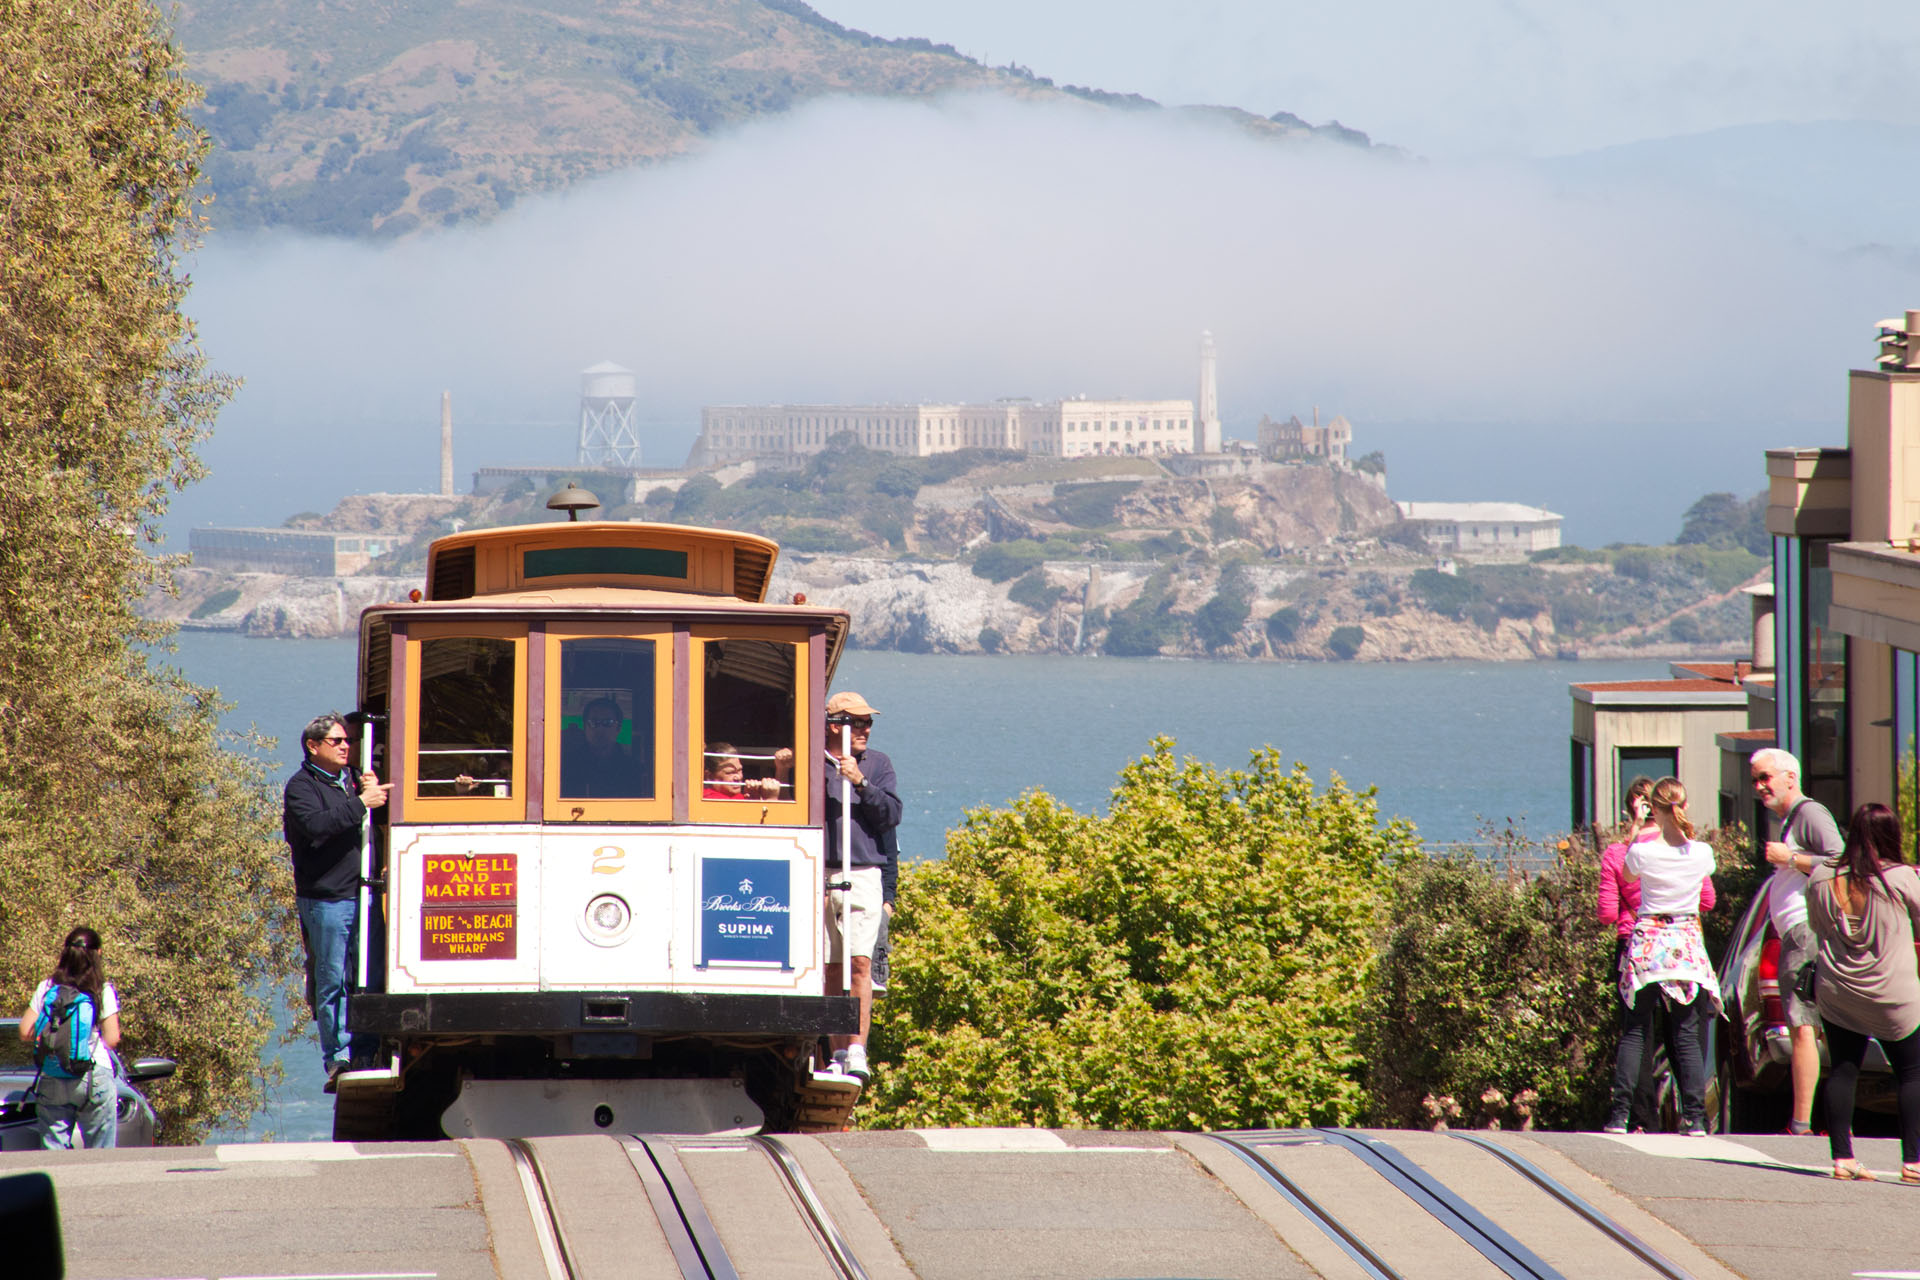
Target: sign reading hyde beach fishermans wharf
{"type": "Point", "coordinates": [745, 904]}
{"type": "Point", "coordinates": [468, 903]}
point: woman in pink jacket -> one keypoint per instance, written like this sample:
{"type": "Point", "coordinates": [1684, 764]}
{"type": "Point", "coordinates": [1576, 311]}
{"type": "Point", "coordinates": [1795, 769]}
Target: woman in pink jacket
{"type": "Point", "coordinates": [1619, 905]}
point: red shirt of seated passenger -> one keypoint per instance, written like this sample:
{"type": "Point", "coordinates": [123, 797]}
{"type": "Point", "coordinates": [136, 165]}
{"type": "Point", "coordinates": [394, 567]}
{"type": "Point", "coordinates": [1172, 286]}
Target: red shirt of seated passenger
{"type": "Point", "coordinates": [729, 782]}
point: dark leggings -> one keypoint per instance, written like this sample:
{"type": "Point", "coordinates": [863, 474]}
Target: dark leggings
{"type": "Point", "coordinates": [1646, 1089]}
{"type": "Point", "coordinates": [1847, 1047]}
{"type": "Point", "coordinates": [1689, 1062]}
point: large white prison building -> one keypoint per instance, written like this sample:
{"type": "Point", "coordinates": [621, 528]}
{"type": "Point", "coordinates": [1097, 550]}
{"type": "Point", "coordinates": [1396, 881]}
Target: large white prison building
{"type": "Point", "coordinates": [1062, 428]}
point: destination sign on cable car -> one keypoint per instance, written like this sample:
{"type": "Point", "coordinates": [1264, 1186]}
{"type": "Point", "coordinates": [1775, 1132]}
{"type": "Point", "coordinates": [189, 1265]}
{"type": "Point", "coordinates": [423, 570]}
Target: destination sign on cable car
{"type": "Point", "coordinates": [452, 887]}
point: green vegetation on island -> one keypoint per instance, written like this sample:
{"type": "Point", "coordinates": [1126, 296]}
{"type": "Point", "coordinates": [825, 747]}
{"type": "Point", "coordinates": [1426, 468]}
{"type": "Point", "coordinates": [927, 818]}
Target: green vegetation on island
{"type": "Point", "coordinates": [119, 806]}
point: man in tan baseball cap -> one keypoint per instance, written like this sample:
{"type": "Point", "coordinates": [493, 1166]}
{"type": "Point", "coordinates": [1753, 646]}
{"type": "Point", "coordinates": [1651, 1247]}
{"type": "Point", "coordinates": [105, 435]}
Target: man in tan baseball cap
{"type": "Point", "coordinates": [853, 914]}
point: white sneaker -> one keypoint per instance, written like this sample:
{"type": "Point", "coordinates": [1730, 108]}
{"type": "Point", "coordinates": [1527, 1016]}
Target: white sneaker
{"type": "Point", "coordinates": [856, 1063]}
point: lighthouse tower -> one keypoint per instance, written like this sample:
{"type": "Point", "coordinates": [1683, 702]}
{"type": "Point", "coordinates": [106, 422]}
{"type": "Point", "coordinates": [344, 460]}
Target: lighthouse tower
{"type": "Point", "coordinates": [1206, 428]}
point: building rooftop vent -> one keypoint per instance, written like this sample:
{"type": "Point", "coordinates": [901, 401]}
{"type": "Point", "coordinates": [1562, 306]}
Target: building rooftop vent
{"type": "Point", "coordinates": [1900, 344]}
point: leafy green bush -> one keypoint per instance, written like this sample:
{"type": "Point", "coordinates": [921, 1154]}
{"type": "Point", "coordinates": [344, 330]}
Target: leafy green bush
{"type": "Point", "coordinates": [694, 498]}
{"type": "Point", "coordinates": [1147, 625]}
{"type": "Point", "coordinates": [1034, 591]}
{"type": "Point", "coordinates": [897, 480]}
{"type": "Point", "coordinates": [1345, 642]}
{"type": "Point", "coordinates": [815, 537]}
{"type": "Point", "coordinates": [216, 602]}
{"type": "Point", "coordinates": [1489, 978]}
{"type": "Point", "coordinates": [1637, 563]}
{"type": "Point", "coordinates": [1573, 613]}
{"type": "Point", "coordinates": [1091, 506]}
{"type": "Point", "coordinates": [1374, 463]}
{"type": "Point", "coordinates": [991, 641]}
{"type": "Point", "coordinates": [1448, 595]}
{"type": "Point", "coordinates": [1406, 534]}
{"type": "Point", "coordinates": [1219, 620]}
{"type": "Point", "coordinates": [1195, 958]}
{"type": "Point", "coordinates": [1224, 525]}
{"type": "Point", "coordinates": [1284, 624]}
{"type": "Point", "coordinates": [999, 561]}
{"type": "Point", "coordinates": [1568, 554]}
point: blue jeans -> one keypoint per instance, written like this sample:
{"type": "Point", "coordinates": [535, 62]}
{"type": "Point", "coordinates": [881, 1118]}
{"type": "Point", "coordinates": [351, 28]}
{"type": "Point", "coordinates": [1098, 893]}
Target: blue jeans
{"type": "Point", "coordinates": [332, 933]}
{"type": "Point", "coordinates": [89, 1108]}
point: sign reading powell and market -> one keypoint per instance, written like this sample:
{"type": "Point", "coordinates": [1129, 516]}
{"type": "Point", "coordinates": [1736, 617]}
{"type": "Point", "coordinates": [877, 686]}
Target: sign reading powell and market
{"type": "Point", "coordinates": [745, 906]}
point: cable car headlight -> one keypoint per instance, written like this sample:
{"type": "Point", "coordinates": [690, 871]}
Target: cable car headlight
{"type": "Point", "coordinates": [606, 920]}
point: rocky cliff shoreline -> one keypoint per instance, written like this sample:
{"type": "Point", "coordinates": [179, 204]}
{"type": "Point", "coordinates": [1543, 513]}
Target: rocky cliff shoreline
{"type": "Point", "coordinates": [943, 607]}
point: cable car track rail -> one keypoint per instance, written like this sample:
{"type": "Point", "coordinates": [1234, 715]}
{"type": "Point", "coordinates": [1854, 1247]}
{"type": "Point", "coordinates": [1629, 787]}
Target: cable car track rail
{"type": "Point", "coordinates": [1498, 1246]}
{"type": "Point", "coordinates": [1613, 1230]}
{"type": "Point", "coordinates": [683, 1216]}
{"type": "Point", "coordinates": [825, 1230]}
{"type": "Point", "coordinates": [546, 1222]}
{"type": "Point", "coordinates": [1310, 1207]}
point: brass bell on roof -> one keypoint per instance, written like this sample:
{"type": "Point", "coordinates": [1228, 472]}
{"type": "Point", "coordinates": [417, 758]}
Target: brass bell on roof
{"type": "Point", "coordinates": [572, 500]}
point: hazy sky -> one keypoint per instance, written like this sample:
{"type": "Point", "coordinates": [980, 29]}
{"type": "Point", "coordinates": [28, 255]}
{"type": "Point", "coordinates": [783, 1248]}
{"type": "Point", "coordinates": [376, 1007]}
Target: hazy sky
{"type": "Point", "coordinates": [1608, 341]}
{"type": "Point", "coordinates": [1477, 77]}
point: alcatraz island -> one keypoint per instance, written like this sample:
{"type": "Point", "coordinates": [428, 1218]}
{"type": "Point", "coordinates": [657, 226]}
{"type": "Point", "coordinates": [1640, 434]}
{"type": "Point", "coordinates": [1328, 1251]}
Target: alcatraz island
{"type": "Point", "coordinates": [1100, 526]}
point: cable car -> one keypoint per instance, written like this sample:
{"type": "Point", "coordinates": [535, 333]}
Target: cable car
{"type": "Point", "coordinates": [594, 898]}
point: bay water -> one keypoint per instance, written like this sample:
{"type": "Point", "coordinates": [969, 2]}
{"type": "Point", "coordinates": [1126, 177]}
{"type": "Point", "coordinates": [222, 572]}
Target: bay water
{"type": "Point", "coordinates": [1452, 746]}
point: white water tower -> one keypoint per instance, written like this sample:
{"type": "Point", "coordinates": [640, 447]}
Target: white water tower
{"type": "Point", "coordinates": [608, 437]}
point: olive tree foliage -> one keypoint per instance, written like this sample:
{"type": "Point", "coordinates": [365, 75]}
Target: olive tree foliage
{"type": "Point", "coordinates": [119, 808]}
{"type": "Point", "coordinates": [1195, 958]}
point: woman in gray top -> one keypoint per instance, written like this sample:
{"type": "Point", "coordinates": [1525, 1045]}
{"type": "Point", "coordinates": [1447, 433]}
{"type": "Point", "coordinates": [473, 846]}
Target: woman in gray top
{"type": "Point", "coordinates": [1864, 906]}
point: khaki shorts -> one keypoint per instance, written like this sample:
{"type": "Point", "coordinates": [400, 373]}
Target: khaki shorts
{"type": "Point", "coordinates": [863, 902]}
{"type": "Point", "coordinates": [1797, 950]}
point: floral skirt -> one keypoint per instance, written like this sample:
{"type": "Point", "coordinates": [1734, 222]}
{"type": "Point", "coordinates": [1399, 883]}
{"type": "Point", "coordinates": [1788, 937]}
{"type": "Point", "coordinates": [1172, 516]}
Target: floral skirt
{"type": "Point", "coordinates": [1671, 951]}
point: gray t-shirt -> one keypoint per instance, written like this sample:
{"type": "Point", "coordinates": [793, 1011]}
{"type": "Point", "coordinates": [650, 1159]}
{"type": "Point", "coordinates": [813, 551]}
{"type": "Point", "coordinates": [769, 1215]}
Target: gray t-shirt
{"type": "Point", "coordinates": [1808, 828]}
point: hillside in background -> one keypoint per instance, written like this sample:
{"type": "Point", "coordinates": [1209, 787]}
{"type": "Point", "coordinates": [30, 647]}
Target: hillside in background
{"type": "Point", "coordinates": [384, 117]}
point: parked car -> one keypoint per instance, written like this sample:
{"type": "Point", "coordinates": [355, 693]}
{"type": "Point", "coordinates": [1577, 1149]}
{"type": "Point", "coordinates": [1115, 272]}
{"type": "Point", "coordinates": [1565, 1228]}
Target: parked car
{"type": "Point", "coordinates": [1753, 1051]}
{"type": "Point", "coordinates": [17, 1132]}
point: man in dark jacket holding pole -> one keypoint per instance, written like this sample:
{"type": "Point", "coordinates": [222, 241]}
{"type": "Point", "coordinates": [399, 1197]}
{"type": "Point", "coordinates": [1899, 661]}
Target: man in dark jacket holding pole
{"type": "Point", "coordinates": [322, 817]}
{"type": "Point", "coordinates": [853, 914]}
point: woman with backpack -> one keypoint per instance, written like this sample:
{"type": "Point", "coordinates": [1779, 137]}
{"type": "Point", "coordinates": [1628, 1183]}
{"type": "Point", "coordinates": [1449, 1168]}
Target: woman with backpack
{"type": "Point", "coordinates": [74, 1022]}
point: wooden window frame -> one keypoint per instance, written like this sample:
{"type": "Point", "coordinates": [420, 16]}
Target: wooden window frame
{"type": "Point", "coordinates": [792, 812]}
{"type": "Point", "coordinates": [561, 811]}
{"type": "Point", "coordinates": [509, 808]}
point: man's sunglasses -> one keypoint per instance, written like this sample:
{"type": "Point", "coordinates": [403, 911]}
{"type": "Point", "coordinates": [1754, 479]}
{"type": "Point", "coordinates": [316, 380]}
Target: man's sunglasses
{"type": "Point", "coordinates": [858, 722]}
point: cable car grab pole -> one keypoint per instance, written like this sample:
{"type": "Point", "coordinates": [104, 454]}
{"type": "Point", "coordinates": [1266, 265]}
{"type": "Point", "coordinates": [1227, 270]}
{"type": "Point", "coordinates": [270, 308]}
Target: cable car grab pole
{"type": "Point", "coordinates": [366, 858]}
{"type": "Point", "coordinates": [846, 865]}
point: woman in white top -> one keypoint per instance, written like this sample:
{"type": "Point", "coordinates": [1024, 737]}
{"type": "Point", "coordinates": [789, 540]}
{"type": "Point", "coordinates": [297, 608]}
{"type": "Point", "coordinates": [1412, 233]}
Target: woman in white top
{"type": "Point", "coordinates": [88, 1106]}
{"type": "Point", "coordinates": [1666, 959]}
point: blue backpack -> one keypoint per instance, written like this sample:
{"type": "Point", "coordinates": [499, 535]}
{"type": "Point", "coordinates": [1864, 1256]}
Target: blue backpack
{"type": "Point", "coordinates": [63, 1034]}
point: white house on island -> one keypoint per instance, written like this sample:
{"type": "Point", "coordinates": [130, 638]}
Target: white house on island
{"type": "Point", "coordinates": [1483, 530]}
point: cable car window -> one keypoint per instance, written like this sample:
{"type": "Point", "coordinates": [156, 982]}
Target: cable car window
{"type": "Point", "coordinates": [748, 719]}
{"type": "Point", "coordinates": [607, 713]}
{"type": "Point", "coordinates": [467, 710]}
